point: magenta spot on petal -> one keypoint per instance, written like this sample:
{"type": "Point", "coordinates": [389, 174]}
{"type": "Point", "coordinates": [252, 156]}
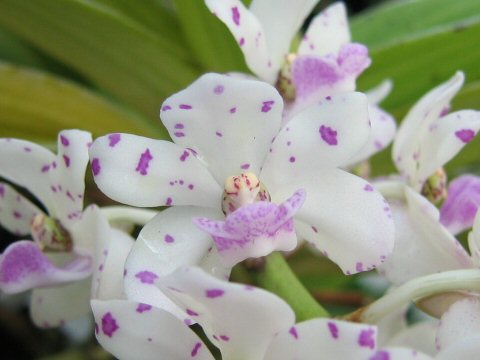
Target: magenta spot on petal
{"type": "Point", "coordinates": [224, 337]}
{"type": "Point", "coordinates": [195, 349]}
{"type": "Point", "coordinates": [241, 42]}
{"type": "Point", "coordinates": [169, 239]}
{"type": "Point", "coordinates": [185, 107]}
{"type": "Point", "coordinates": [236, 15]}
{"type": "Point", "coordinates": [466, 135]}
{"type": "Point", "coordinates": [293, 332]}
{"type": "Point", "coordinates": [184, 156]}
{"type": "Point", "coordinates": [96, 166]}
{"type": "Point", "coordinates": [368, 187]}
{"type": "Point", "coordinates": [109, 324]}
{"type": "Point", "coordinates": [64, 140]}
{"type": "Point", "coordinates": [2, 191]}
{"type": "Point", "coordinates": [292, 159]}
{"type": "Point", "coordinates": [149, 339]}
{"type": "Point", "coordinates": [27, 149]}
{"type": "Point", "coordinates": [187, 322]}
{"type": "Point", "coordinates": [328, 98]}
{"type": "Point", "coordinates": [359, 266]}
{"type": "Point", "coordinates": [381, 355]}
{"type": "Point", "coordinates": [143, 162]}
{"type": "Point", "coordinates": [366, 338]}
{"type": "Point", "coordinates": [233, 110]}
{"type": "Point", "coordinates": [191, 312]}
{"type": "Point", "coordinates": [45, 168]}
{"type": "Point", "coordinates": [143, 307]}
{"type": "Point", "coordinates": [218, 89]}
{"type": "Point", "coordinates": [17, 215]}
{"type": "Point", "coordinates": [190, 186]}
{"type": "Point", "coordinates": [328, 135]}
{"type": "Point", "coordinates": [179, 134]}
{"type": "Point", "coordinates": [169, 201]}
{"type": "Point", "coordinates": [179, 126]}
{"type": "Point", "coordinates": [333, 329]}
{"type": "Point", "coordinates": [166, 108]}
{"type": "Point", "coordinates": [113, 139]}
{"type": "Point", "coordinates": [218, 133]}
{"type": "Point", "coordinates": [245, 166]}
{"type": "Point", "coordinates": [146, 277]}
{"type": "Point", "coordinates": [214, 293]}
{"type": "Point", "coordinates": [66, 159]}
{"type": "Point", "coordinates": [267, 105]}
{"type": "Point", "coordinates": [314, 229]}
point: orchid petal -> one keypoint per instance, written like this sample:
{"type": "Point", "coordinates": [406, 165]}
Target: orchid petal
{"type": "Point", "coordinates": [130, 330]}
{"type": "Point", "coordinates": [463, 349]}
{"type": "Point", "coordinates": [327, 32]}
{"type": "Point", "coordinates": [249, 33]}
{"type": "Point", "coordinates": [316, 77]}
{"type": "Point", "coordinates": [54, 306]}
{"type": "Point", "coordinates": [382, 134]}
{"type": "Point", "coordinates": [254, 230]}
{"type": "Point", "coordinates": [68, 178]}
{"type": "Point", "coordinates": [380, 92]}
{"type": "Point", "coordinates": [109, 273]}
{"type": "Point", "coordinates": [419, 336]}
{"type": "Point", "coordinates": [228, 122]}
{"type": "Point", "coordinates": [358, 245]}
{"type": "Point", "coordinates": [422, 245]}
{"type": "Point", "coordinates": [279, 34]}
{"type": "Point", "coordinates": [461, 321]}
{"type": "Point", "coordinates": [325, 135]}
{"type": "Point", "coordinates": [28, 164]}
{"type": "Point", "coordinates": [399, 354]}
{"type": "Point", "coordinates": [474, 241]}
{"type": "Point", "coordinates": [458, 211]}
{"type": "Point", "coordinates": [446, 138]}
{"type": "Point", "coordinates": [16, 211]}
{"type": "Point", "coordinates": [23, 266]}
{"type": "Point", "coordinates": [140, 171]}
{"type": "Point", "coordinates": [330, 339]}
{"type": "Point", "coordinates": [417, 124]}
{"type": "Point", "coordinates": [168, 241]}
{"type": "Point", "coordinates": [240, 320]}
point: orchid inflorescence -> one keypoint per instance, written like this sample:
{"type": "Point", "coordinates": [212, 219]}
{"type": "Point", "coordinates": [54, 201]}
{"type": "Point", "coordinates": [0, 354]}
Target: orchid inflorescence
{"type": "Point", "coordinates": [257, 165]}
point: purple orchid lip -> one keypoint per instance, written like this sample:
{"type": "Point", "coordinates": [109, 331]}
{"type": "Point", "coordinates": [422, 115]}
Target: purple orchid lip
{"type": "Point", "coordinates": [255, 229]}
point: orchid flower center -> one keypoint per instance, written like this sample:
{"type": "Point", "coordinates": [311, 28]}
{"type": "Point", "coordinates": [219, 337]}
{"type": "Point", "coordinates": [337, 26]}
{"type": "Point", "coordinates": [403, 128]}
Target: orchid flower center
{"type": "Point", "coordinates": [50, 235]}
{"type": "Point", "coordinates": [285, 84]}
{"type": "Point", "coordinates": [435, 188]}
{"type": "Point", "coordinates": [241, 190]}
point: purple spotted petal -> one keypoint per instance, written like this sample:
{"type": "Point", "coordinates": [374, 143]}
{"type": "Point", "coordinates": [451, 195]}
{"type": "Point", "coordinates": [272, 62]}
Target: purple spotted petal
{"type": "Point", "coordinates": [23, 266]}
{"type": "Point", "coordinates": [459, 209]}
{"type": "Point", "coordinates": [332, 339]}
{"type": "Point", "coordinates": [16, 211]}
{"type": "Point", "coordinates": [149, 335]}
{"type": "Point", "coordinates": [327, 32]}
{"type": "Point", "coordinates": [255, 230]}
{"type": "Point", "coordinates": [240, 320]}
{"type": "Point", "coordinates": [228, 142]}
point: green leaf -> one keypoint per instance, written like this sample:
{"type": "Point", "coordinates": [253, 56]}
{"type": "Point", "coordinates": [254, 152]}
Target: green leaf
{"type": "Point", "coordinates": [210, 40]}
{"type": "Point", "coordinates": [35, 105]}
{"type": "Point", "coordinates": [398, 21]}
{"type": "Point", "coordinates": [417, 66]}
{"type": "Point", "coordinates": [109, 49]}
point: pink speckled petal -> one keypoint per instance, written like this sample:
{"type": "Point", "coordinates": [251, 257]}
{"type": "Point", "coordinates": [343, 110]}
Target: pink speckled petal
{"type": "Point", "coordinates": [458, 211]}
{"type": "Point", "coordinates": [54, 306]}
{"type": "Point", "coordinates": [327, 32]}
{"type": "Point", "coordinates": [333, 339]}
{"type": "Point", "coordinates": [23, 266]}
{"type": "Point", "coordinates": [130, 330]}
{"type": "Point", "coordinates": [324, 136]}
{"type": "Point", "coordinates": [422, 245]}
{"type": "Point", "coordinates": [418, 123]}
{"type": "Point", "coordinates": [255, 230]}
{"type": "Point", "coordinates": [383, 132]}
{"type": "Point", "coordinates": [444, 140]}
{"type": "Point", "coordinates": [140, 171]}
{"type": "Point", "coordinates": [359, 244]}
{"type": "Point", "coordinates": [249, 34]}
{"type": "Point", "coordinates": [229, 122]}
{"type": "Point", "coordinates": [461, 321]}
{"type": "Point", "coordinates": [170, 240]}
{"type": "Point", "coordinates": [16, 211]}
{"type": "Point", "coordinates": [240, 320]}
{"type": "Point", "coordinates": [391, 353]}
